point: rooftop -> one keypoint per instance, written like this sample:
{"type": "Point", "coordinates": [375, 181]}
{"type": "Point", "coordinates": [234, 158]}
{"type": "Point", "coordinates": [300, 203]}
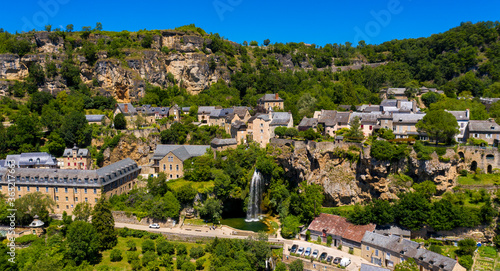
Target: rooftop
{"type": "Point", "coordinates": [94, 118]}
{"type": "Point", "coordinates": [270, 98]}
{"type": "Point", "coordinates": [339, 226]}
{"type": "Point", "coordinates": [32, 159]}
{"type": "Point", "coordinates": [484, 126]}
{"type": "Point", "coordinates": [223, 141]}
{"type": "Point", "coordinates": [183, 152]}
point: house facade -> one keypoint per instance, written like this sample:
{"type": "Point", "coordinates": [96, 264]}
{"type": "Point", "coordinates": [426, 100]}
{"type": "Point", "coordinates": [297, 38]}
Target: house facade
{"type": "Point", "coordinates": [68, 187]}
{"type": "Point", "coordinates": [204, 113]}
{"type": "Point", "coordinates": [31, 160]}
{"type": "Point", "coordinates": [169, 159]}
{"type": "Point", "coordinates": [271, 101]}
{"type": "Point", "coordinates": [462, 120]}
{"type": "Point", "coordinates": [403, 124]}
{"type": "Point", "coordinates": [76, 158]}
{"type": "Point", "coordinates": [388, 251]}
{"type": "Point", "coordinates": [487, 130]}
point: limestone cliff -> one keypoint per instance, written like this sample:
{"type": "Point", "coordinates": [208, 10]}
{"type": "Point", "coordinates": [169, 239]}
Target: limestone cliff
{"type": "Point", "coordinates": [349, 175]}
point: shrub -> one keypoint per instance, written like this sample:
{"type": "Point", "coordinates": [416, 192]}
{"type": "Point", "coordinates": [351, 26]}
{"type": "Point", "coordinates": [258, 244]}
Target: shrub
{"type": "Point", "coordinates": [466, 261]}
{"type": "Point", "coordinates": [131, 245]}
{"type": "Point", "coordinates": [436, 248]}
{"type": "Point", "coordinates": [308, 235]}
{"type": "Point", "coordinates": [463, 172]}
{"type": "Point", "coordinates": [164, 247]}
{"type": "Point", "coordinates": [329, 240]}
{"type": "Point", "coordinates": [196, 252]}
{"type": "Point", "coordinates": [148, 245]}
{"type": "Point", "coordinates": [115, 255]}
{"type": "Point", "coordinates": [200, 263]}
{"type": "Point", "coordinates": [132, 256]}
{"type": "Point", "coordinates": [181, 250]}
{"type": "Point", "coordinates": [26, 239]}
{"type": "Point", "coordinates": [148, 257]}
{"type": "Point", "coordinates": [188, 266]}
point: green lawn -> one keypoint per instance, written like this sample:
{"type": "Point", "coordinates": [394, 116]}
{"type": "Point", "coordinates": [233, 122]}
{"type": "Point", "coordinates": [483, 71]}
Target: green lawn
{"type": "Point", "coordinates": [200, 186]}
{"type": "Point", "coordinates": [195, 221]}
{"type": "Point", "coordinates": [481, 179]}
{"type": "Point", "coordinates": [341, 210]}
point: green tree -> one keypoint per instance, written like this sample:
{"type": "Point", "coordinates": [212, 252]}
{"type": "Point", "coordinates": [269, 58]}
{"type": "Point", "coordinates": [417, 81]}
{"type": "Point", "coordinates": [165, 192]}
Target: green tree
{"type": "Point", "coordinates": [427, 188]}
{"type": "Point", "coordinates": [466, 261]}
{"type": "Point", "coordinates": [82, 211]}
{"type": "Point", "coordinates": [280, 131]}
{"type": "Point", "coordinates": [131, 245]}
{"type": "Point", "coordinates": [120, 122]}
{"type": "Point", "coordinates": [212, 209]}
{"type": "Point", "coordinates": [167, 207]}
{"type": "Point", "coordinates": [296, 265]}
{"type": "Point", "coordinates": [407, 265]}
{"type": "Point", "coordinates": [412, 210]}
{"type": "Point", "coordinates": [98, 26]}
{"type": "Point", "coordinates": [188, 266]}
{"type": "Point", "coordinates": [439, 125]}
{"type": "Point", "coordinates": [48, 28]}
{"type": "Point", "coordinates": [115, 255]}
{"type": "Point", "coordinates": [196, 252]}
{"type": "Point", "coordinates": [69, 28]}
{"type": "Point", "coordinates": [266, 42]}
{"type": "Point", "coordinates": [103, 221]}
{"type": "Point", "coordinates": [185, 194]}
{"type": "Point", "coordinates": [76, 130]}
{"type": "Point", "coordinates": [55, 144]}
{"type": "Point", "coordinates": [148, 257]}
{"type": "Point", "coordinates": [181, 250]}
{"type": "Point", "coordinates": [290, 226]}
{"type": "Point", "coordinates": [148, 245]}
{"type": "Point", "coordinates": [281, 266]}
{"type": "Point", "coordinates": [291, 132]}
{"type": "Point", "coordinates": [163, 247]}
{"type": "Point", "coordinates": [33, 204]}
{"type": "Point", "coordinates": [430, 98]}
{"type": "Point", "coordinates": [354, 133]}
{"type": "Point", "coordinates": [83, 242]}
{"type": "Point", "coordinates": [466, 247]}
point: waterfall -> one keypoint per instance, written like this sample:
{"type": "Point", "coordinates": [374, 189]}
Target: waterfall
{"type": "Point", "coordinates": [253, 209]}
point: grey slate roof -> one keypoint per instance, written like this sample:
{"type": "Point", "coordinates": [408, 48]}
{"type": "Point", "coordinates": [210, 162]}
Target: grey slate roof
{"type": "Point", "coordinates": [130, 108]}
{"type": "Point", "coordinates": [308, 122]}
{"type": "Point", "coordinates": [239, 124]}
{"type": "Point", "coordinates": [205, 109]}
{"type": "Point", "coordinates": [365, 118]}
{"type": "Point", "coordinates": [220, 113]}
{"type": "Point", "coordinates": [185, 109]}
{"type": "Point", "coordinates": [392, 230]}
{"type": "Point", "coordinates": [94, 118]}
{"type": "Point", "coordinates": [485, 126]}
{"type": "Point", "coordinates": [406, 118]}
{"type": "Point", "coordinates": [408, 248]}
{"type": "Point", "coordinates": [389, 102]}
{"type": "Point", "coordinates": [223, 141]}
{"type": "Point", "coordinates": [240, 111]}
{"type": "Point", "coordinates": [72, 177]}
{"type": "Point", "coordinates": [32, 158]}
{"type": "Point", "coordinates": [183, 152]}
{"type": "Point", "coordinates": [342, 118]}
{"type": "Point", "coordinates": [327, 117]}
{"type": "Point", "coordinates": [459, 115]}
{"type": "Point", "coordinates": [280, 118]}
{"type": "Point", "coordinates": [270, 98]}
{"type": "Point", "coordinates": [367, 267]}
{"type": "Point", "coordinates": [80, 152]}
{"type": "Point", "coordinates": [396, 91]}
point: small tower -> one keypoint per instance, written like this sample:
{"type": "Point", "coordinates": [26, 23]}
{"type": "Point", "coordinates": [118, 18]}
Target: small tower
{"type": "Point", "coordinates": [37, 226]}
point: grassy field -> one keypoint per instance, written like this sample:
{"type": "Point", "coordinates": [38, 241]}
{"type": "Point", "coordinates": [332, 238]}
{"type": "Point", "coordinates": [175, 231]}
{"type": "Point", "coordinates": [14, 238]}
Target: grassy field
{"type": "Point", "coordinates": [200, 186]}
{"type": "Point", "coordinates": [341, 210]}
{"type": "Point", "coordinates": [124, 265]}
{"type": "Point", "coordinates": [480, 179]}
{"type": "Point", "coordinates": [487, 259]}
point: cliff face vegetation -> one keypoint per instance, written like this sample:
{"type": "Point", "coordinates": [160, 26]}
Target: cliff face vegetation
{"type": "Point", "coordinates": [349, 175]}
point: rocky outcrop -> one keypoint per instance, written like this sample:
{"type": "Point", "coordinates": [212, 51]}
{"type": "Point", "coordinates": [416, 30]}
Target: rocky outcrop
{"type": "Point", "coordinates": [12, 68]}
{"type": "Point", "coordinates": [349, 175]}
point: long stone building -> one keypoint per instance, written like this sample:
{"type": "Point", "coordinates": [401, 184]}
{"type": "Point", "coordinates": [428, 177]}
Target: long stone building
{"type": "Point", "coordinates": [68, 187]}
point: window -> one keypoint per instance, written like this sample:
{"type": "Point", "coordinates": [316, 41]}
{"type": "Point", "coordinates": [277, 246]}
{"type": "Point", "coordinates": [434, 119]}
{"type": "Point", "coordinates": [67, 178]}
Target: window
{"type": "Point", "coordinates": [57, 206]}
{"type": "Point", "coordinates": [170, 167]}
{"type": "Point", "coordinates": [262, 125]}
{"type": "Point", "coordinates": [28, 188]}
{"type": "Point", "coordinates": [177, 176]}
{"type": "Point", "coordinates": [376, 252]}
{"type": "Point", "coordinates": [95, 200]}
{"type": "Point", "coordinates": [37, 189]}
{"type": "Point", "coordinates": [76, 190]}
{"type": "Point", "coordinates": [371, 127]}
{"type": "Point", "coordinates": [367, 248]}
{"type": "Point", "coordinates": [67, 207]}
{"type": "Point", "coordinates": [57, 198]}
{"type": "Point", "coordinates": [18, 188]}
{"type": "Point", "coordinates": [488, 136]}
{"type": "Point", "coordinates": [177, 167]}
{"type": "Point", "coordinates": [69, 164]}
{"type": "Point", "coordinates": [57, 189]}
{"type": "Point", "coordinates": [71, 205]}
{"type": "Point", "coordinates": [76, 198]}
{"type": "Point", "coordinates": [95, 190]}
{"type": "Point", "coordinates": [47, 189]}
{"type": "Point", "coordinates": [74, 164]}
{"type": "Point", "coordinates": [86, 200]}
{"type": "Point", "coordinates": [388, 255]}
{"type": "Point", "coordinates": [362, 126]}
{"type": "Point", "coordinates": [170, 176]}
{"type": "Point", "coordinates": [65, 190]}
{"type": "Point", "coordinates": [66, 198]}
{"type": "Point", "coordinates": [164, 167]}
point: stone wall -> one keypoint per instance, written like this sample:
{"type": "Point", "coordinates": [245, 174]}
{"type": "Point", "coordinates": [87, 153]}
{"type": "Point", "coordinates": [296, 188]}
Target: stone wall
{"type": "Point", "coordinates": [128, 218]}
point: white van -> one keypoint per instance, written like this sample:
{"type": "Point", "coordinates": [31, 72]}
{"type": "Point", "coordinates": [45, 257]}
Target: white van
{"type": "Point", "coordinates": [345, 262]}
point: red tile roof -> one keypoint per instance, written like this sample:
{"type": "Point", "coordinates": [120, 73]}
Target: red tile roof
{"type": "Point", "coordinates": [337, 225]}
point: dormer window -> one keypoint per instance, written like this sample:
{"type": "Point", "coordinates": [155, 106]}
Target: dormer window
{"type": "Point", "coordinates": [492, 127]}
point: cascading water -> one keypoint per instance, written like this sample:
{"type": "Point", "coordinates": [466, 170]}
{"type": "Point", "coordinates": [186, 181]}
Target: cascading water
{"type": "Point", "coordinates": [253, 209]}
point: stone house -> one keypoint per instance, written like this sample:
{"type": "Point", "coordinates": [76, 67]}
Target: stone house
{"type": "Point", "coordinates": [129, 111]}
{"type": "Point", "coordinates": [170, 158]}
{"type": "Point", "coordinates": [97, 119]}
{"type": "Point", "coordinates": [239, 114]}
{"type": "Point", "coordinates": [76, 158]}
{"type": "Point", "coordinates": [403, 125]}
{"type": "Point", "coordinates": [462, 120]}
{"type": "Point", "coordinates": [204, 113]}
{"type": "Point", "coordinates": [261, 127]}
{"type": "Point", "coordinates": [218, 117]}
{"type": "Point", "coordinates": [68, 187]}
{"type": "Point", "coordinates": [368, 121]}
{"type": "Point", "coordinates": [487, 130]}
{"type": "Point", "coordinates": [219, 144]}
{"type": "Point", "coordinates": [308, 123]}
{"type": "Point", "coordinates": [397, 93]}
{"type": "Point", "coordinates": [343, 233]}
{"type": "Point", "coordinates": [388, 251]}
{"type": "Point", "coordinates": [271, 101]}
{"type": "Point", "coordinates": [239, 131]}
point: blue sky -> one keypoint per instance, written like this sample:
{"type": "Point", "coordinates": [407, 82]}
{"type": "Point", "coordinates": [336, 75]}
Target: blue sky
{"type": "Point", "coordinates": [317, 22]}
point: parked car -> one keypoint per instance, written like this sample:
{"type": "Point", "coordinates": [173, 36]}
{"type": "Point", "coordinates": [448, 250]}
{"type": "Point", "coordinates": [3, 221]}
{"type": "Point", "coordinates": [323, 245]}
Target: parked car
{"type": "Point", "coordinates": [322, 257]}
{"type": "Point", "coordinates": [300, 251]}
{"type": "Point", "coordinates": [315, 253]}
{"type": "Point", "coordinates": [154, 226]}
{"type": "Point", "coordinates": [345, 262]}
{"type": "Point", "coordinates": [329, 259]}
{"type": "Point", "coordinates": [337, 260]}
{"type": "Point", "coordinates": [294, 248]}
{"type": "Point", "coordinates": [308, 252]}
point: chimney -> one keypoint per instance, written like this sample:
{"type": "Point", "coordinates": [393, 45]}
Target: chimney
{"type": "Point", "coordinates": [467, 113]}
{"type": "Point", "coordinates": [126, 108]}
{"type": "Point", "coordinates": [276, 96]}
